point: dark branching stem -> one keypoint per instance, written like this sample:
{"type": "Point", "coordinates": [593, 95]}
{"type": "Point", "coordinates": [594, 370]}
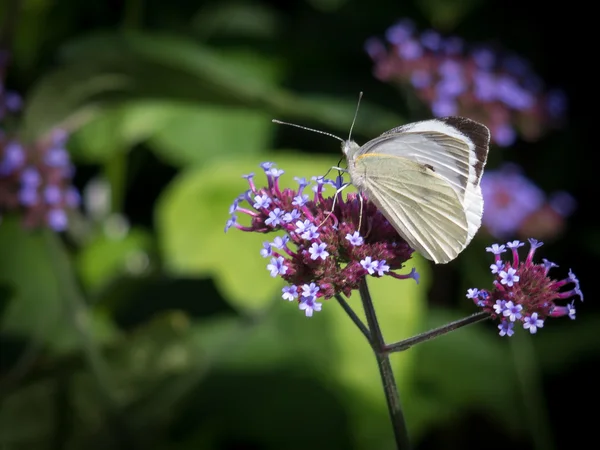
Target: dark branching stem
{"type": "Point", "coordinates": [382, 351]}
{"type": "Point", "coordinates": [405, 344]}
{"type": "Point", "coordinates": [385, 369]}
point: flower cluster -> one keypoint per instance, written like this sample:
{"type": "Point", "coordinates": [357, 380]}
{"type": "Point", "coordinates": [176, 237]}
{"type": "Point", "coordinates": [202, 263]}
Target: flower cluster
{"type": "Point", "coordinates": [476, 81]}
{"type": "Point", "coordinates": [515, 205]}
{"type": "Point", "coordinates": [35, 179]}
{"type": "Point", "coordinates": [325, 245]}
{"type": "Point", "coordinates": [523, 291]}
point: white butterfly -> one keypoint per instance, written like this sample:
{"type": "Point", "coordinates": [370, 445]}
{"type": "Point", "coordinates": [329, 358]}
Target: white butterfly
{"type": "Point", "coordinates": [425, 179]}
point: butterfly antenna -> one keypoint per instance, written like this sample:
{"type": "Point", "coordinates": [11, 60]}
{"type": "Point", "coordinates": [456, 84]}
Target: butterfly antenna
{"type": "Point", "coordinates": [360, 94]}
{"type": "Point", "coordinates": [308, 129]}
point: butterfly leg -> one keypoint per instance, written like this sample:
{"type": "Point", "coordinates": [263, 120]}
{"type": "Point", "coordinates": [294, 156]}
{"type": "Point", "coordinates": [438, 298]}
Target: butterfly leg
{"type": "Point", "coordinates": [337, 192]}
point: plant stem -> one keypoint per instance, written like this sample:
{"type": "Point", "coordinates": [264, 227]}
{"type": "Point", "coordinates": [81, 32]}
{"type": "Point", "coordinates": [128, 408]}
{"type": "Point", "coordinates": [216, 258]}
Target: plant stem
{"type": "Point", "coordinates": [385, 369]}
{"type": "Point", "coordinates": [346, 307]}
{"type": "Point", "coordinates": [407, 343]}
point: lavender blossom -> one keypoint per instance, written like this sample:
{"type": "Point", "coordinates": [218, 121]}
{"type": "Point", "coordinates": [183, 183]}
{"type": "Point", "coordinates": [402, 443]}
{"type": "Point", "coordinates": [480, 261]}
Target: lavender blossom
{"type": "Point", "coordinates": [323, 251]}
{"type": "Point", "coordinates": [523, 291]}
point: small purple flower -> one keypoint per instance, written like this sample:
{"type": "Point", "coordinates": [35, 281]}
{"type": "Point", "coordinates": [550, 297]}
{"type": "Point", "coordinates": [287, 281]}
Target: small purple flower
{"type": "Point", "coordinates": [52, 194]}
{"type": "Point", "coordinates": [506, 328]}
{"type": "Point", "coordinates": [14, 157]}
{"type": "Point", "coordinates": [500, 307]}
{"type": "Point", "coordinates": [275, 217]}
{"type": "Point", "coordinates": [369, 265]}
{"type": "Point", "coordinates": [289, 293]}
{"type": "Point", "coordinates": [497, 267]}
{"type": "Point", "coordinates": [275, 173]}
{"type": "Point", "coordinates": [515, 244]}
{"type": "Point", "coordinates": [28, 196]}
{"type": "Point", "coordinates": [318, 251]}
{"type": "Point", "coordinates": [291, 216]}
{"type": "Point", "coordinates": [310, 290]}
{"type": "Point", "coordinates": [571, 308]}
{"type": "Point", "coordinates": [472, 293]}
{"type": "Point", "coordinates": [230, 222]}
{"type": "Point", "coordinates": [533, 323]}
{"type": "Point", "coordinates": [57, 157]}
{"type": "Point", "coordinates": [280, 242]}
{"type": "Point", "coordinates": [261, 201]}
{"type": "Point", "coordinates": [31, 177]}
{"type": "Point", "coordinates": [444, 106]}
{"type": "Point", "coordinates": [267, 250]}
{"type": "Point", "coordinates": [57, 219]}
{"type": "Point", "coordinates": [531, 298]}
{"type": "Point", "coordinates": [302, 182]}
{"type": "Point", "coordinates": [512, 311]}
{"type": "Point", "coordinates": [310, 233]}
{"type": "Point", "coordinates": [300, 200]}
{"type": "Point", "coordinates": [277, 266]}
{"type": "Point", "coordinates": [381, 267]}
{"type": "Point", "coordinates": [309, 305]}
{"type": "Point", "coordinates": [266, 165]}
{"type": "Point", "coordinates": [355, 239]}
{"type": "Point", "coordinates": [508, 277]}
{"type": "Point", "coordinates": [496, 249]}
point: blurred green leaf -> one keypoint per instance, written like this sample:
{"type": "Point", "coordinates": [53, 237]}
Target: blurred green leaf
{"type": "Point", "coordinates": [26, 266]}
{"type": "Point", "coordinates": [237, 19]}
{"type": "Point", "coordinates": [109, 68]}
{"type": "Point", "coordinates": [104, 258]}
{"type": "Point", "coordinates": [38, 309]}
{"type": "Point", "coordinates": [193, 135]}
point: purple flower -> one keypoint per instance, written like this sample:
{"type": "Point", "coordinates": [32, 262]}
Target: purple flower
{"type": "Point", "coordinates": [13, 158]}
{"type": "Point", "coordinates": [472, 293]}
{"type": "Point", "coordinates": [275, 217]}
{"type": "Point", "coordinates": [355, 239]}
{"type": "Point", "coordinates": [277, 266]}
{"type": "Point", "coordinates": [381, 267]}
{"type": "Point", "coordinates": [506, 328]}
{"type": "Point", "coordinates": [52, 194]}
{"type": "Point", "coordinates": [497, 266]}
{"type": "Point", "coordinates": [508, 277]}
{"type": "Point", "coordinates": [500, 307]}
{"type": "Point", "coordinates": [57, 219]}
{"type": "Point", "coordinates": [496, 249]}
{"type": "Point", "coordinates": [533, 323]}
{"type": "Point", "coordinates": [267, 250]}
{"type": "Point", "coordinates": [318, 251]}
{"type": "Point", "coordinates": [531, 293]}
{"type": "Point", "coordinates": [322, 251]}
{"type": "Point", "coordinates": [485, 84]}
{"type": "Point", "coordinates": [261, 201]}
{"type": "Point", "coordinates": [512, 311]}
{"type": "Point", "coordinates": [290, 293]}
{"type": "Point", "coordinates": [309, 305]}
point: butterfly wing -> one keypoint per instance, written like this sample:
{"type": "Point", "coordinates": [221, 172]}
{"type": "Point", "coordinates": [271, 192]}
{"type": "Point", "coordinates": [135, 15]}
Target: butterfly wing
{"type": "Point", "coordinates": [455, 148]}
{"type": "Point", "coordinates": [420, 204]}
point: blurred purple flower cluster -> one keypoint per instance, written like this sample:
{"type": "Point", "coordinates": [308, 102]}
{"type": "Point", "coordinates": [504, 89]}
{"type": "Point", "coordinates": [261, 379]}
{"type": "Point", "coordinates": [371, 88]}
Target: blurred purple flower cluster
{"type": "Point", "coordinates": [514, 205]}
{"type": "Point", "coordinates": [496, 88]}
{"type": "Point", "coordinates": [321, 249]}
{"type": "Point", "coordinates": [523, 291]}
{"type": "Point", "coordinates": [35, 178]}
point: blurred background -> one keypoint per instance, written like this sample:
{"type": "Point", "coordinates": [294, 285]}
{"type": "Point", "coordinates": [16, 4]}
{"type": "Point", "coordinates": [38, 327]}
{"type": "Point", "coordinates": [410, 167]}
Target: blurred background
{"type": "Point", "coordinates": [128, 319]}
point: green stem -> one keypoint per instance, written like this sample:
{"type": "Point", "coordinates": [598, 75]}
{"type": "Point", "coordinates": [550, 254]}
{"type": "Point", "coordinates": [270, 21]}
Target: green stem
{"type": "Point", "coordinates": [346, 307]}
{"type": "Point", "coordinates": [427, 335]}
{"type": "Point", "coordinates": [115, 171]}
{"type": "Point", "coordinates": [385, 369]}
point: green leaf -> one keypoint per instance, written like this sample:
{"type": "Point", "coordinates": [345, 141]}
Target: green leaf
{"type": "Point", "coordinates": [190, 218]}
{"type": "Point", "coordinates": [193, 134]}
{"type": "Point", "coordinates": [31, 265]}
{"type": "Point", "coordinates": [104, 259]}
{"type": "Point", "coordinates": [27, 267]}
{"type": "Point", "coordinates": [237, 19]}
{"type": "Point", "coordinates": [108, 68]}
{"type": "Point", "coordinates": [445, 14]}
